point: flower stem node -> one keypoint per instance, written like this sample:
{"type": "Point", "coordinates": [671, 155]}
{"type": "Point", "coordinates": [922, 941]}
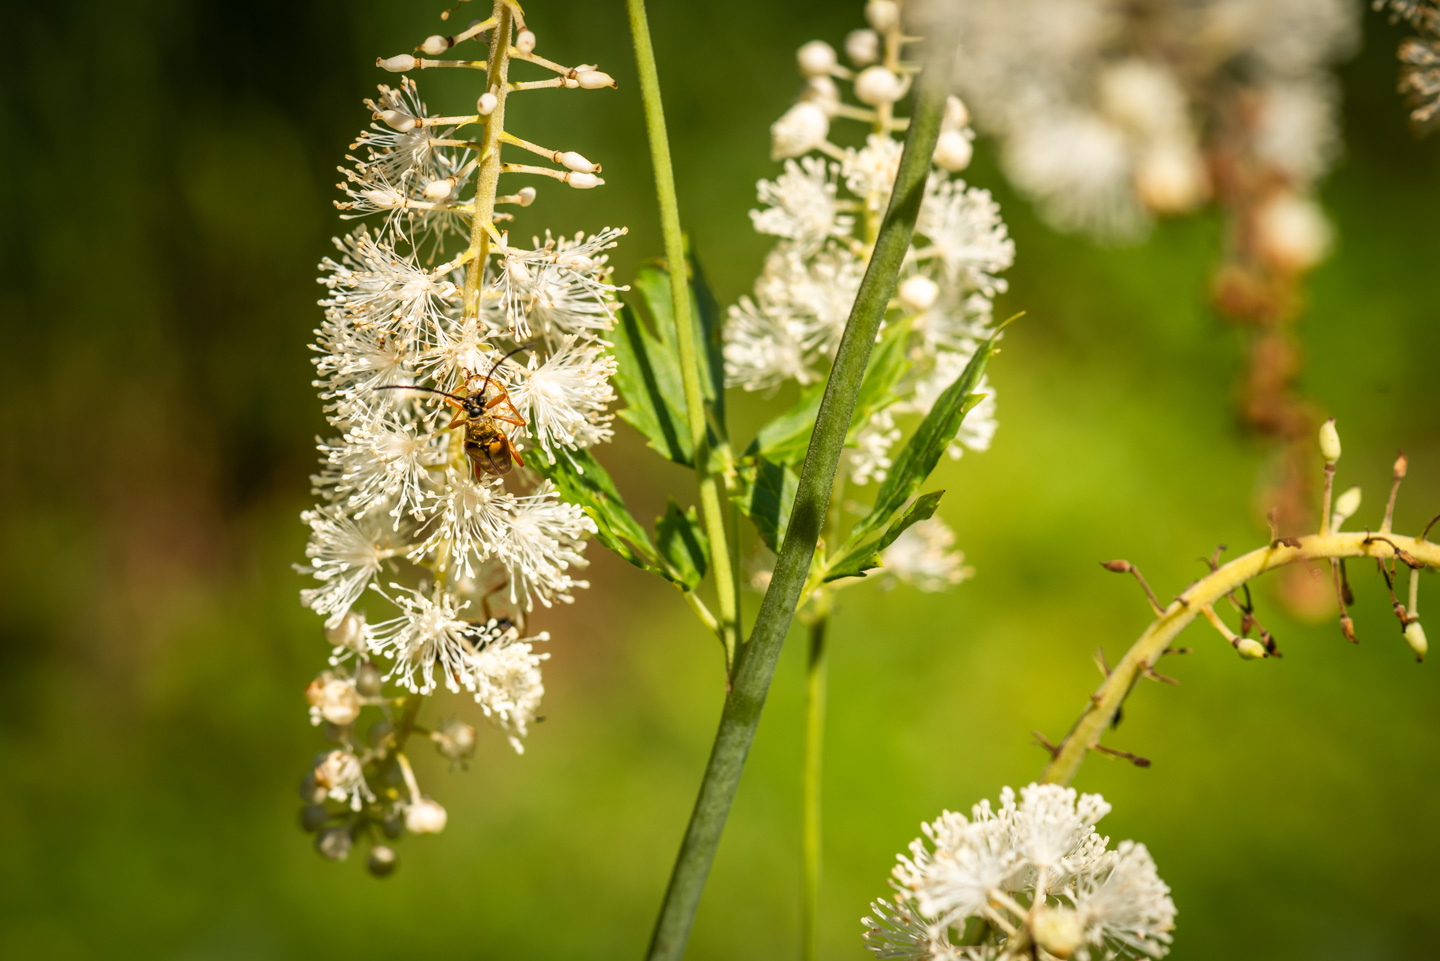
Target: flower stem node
{"type": "Point", "coordinates": [862, 47]}
{"type": "Point", "coordinates": [525, 41]}
{"type": "Point", "coordinates": [878, 85]}
{"type": "Point", "coordinates": [799, 130]}
{"type": "Point", "coordinates": [953, 151]}
{"type": "Point", "coordinates": [578, 163]}
{"type": "Point", "coordinates": [882, 15]}
{"type": "Point", "coordinates": [1250, 649]}
{"type": "Point", "coordinates": [435, 45]}
{"type": "Point", "coordinates": [485, 106]}
{"type": "Point", "coordinates": [382, 861]}
{"type": "Point", "coordinates": [816, 59]}
{"type": "Point", "coordinates": [333, 843]}
{"type": "Point", "coordinates": [1329, 441]}
{"type": "Point", "coordinates": [424, 817]}
{"type": "Point", "coordinates": [1057, 929]}
{"type": "Point", "coordinates": [1415, 637]}
{"type": "Point", "coordinates": [594, 79]}
{"type": "Point", "coordinates": [918, 293]}
{"type": "Point", "coordinates": [397, 64]}
{"type": "Point", "coordinates": [347, 633]}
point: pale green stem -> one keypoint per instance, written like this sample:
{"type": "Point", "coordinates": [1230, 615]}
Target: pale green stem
{"type": "Point", "coordinates": [810, 822]}
{"type": "Point", "coordinates": [487, 176]}
{"type": "Point", "coordinates": [756, 664]}
{"type": "Point", "coordinates": [1191, 603]}
{"type": "Point", "coordinates": [711, 498]}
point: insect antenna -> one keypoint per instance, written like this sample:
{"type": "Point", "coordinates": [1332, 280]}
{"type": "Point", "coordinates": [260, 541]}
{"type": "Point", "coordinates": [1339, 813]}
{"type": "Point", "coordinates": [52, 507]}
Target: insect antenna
{"type": "Point", "coordinates": [418, 387]}
{"type": "Point", "coordinates": [495, 366]}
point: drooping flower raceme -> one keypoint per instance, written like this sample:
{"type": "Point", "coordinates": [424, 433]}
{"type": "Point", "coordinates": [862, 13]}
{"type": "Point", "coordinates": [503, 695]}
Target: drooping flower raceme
{"type": "Point", "coordinates": [824, 208]}
{"type": "Point", "coordinates": [1031, 872]}
{"type": "Point", "coordinates": [446, 385]}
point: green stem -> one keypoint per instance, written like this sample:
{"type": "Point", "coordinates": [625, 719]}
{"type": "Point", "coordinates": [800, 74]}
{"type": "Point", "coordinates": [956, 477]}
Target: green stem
{"type": "Point", "coordinates": [810, 816]}
{"type": "Point", "coordinates": [711, 512]}
{"type": "Point", "coordinates": [756, 664]}
{"type": "Point", "coordinates": [487, 175]}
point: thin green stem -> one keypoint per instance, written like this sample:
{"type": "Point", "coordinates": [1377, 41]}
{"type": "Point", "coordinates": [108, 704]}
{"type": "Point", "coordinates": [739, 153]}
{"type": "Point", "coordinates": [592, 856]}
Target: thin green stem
{"type": "Point", "coordinates": [756, 665]}
{"type": "Point", "coordinates": [711, 499]}
{"type": "Point", "coordinates": [487, 175]}
{"type": "Point", "coordinates": [810, 835]}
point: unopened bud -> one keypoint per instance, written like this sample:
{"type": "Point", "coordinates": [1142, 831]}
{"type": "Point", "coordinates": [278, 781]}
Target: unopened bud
{"type": "Point", "coordinates": [918, 292]}
{"type": "Point", "coordinates": [583, 181]}
{"type": "Point", "coordinates": [877, 85]}
{"type": "Point", "coordinates": [435, 45]}
{"type": "Point", "coordinates": [455, 740]}
{"type": "Point", "coordinates": [1250, 649]}
{"type": "Point", "coordinates": [799, 130]}
{"type": "Point", "coordinates": [1292, 233]}
{"type": "Point", "coordinates": [525, 41]}
{"type": "Point", "coordinates": [526, 196]}
{"type": "Point", "coordinates": [334, 699]}
{"type": "Point", "coordinates": [862, 47]}
{"type": "Point", "coordinates": [1171, 178]}
{"type": "Point", "coordinates": [1329, 441]}
{"type": "Point", "coordinates": [310, 790]}
{"type": "Point", "coordinates": [393, 825]}
{"type": "Point", "coordinates": [425, 817]}
{"type": "Point", "coordinates": [816, 58]}
{"type": "Point", "coordinates": [367, 680]}
{"type": "Point", "coordinates": [333, 843]}
{"type": "Point", "coordinates": [348, 632]}
{"type": "Point", "coordinates": [594, 79]}
{"type": "Point", "coordinates": [957, 115]}
{"type": "Point", "coordinates": [485, 106]}
{"type": "Point", "coordinates": [882, 14]}
{"type": "Point", "coordinates": [338, 769]}
{"type": "Point", "coordinates": [382, 860]}
{"type": "Point", "coordinates": [1057, 930]}
{"type": "Point", "coordinates": [1402, 464]}
{"type": "Point", "coordinates": [439, 189]}
{"type": "Point", "coordinates": [578, 163]}
{"type": "Point", "coordinates": [953, 151]}
{"type": "Point", "coordinates": [313, 818]}
{"type": "Point", "coordinates": [1345, 507]}
{"type": "Point", "coordinates": [823, 92]}
{"type": "Point", "coordinates": [398, 120]}
{"type": "Point", "coordinates": [396, 64]}
{"type": "Point", "coordinates": [1415, 637]}
{"type": "Point", "coordinates": [1116, 567]}
{"type": "Point", "coordinates": [1347, 627]}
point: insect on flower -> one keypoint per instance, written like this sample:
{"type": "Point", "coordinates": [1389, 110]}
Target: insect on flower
{"type": "Point", "coordinates": [486, 443]}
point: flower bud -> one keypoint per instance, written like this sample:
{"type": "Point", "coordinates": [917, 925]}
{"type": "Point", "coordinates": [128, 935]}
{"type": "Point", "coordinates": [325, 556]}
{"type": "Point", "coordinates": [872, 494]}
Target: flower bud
{"type": "Point", "coordinates": [877, 85]}
{"type": "Point", "coordinates": [526, 196]}
{"type": "Point", "coordinates": [882, 15]}
{"type": "Point", "coordinates": [525, 41]}
{"type": "Point", "coordinates": [424, 817]}
{"type": "Point", "coordinates": [799, 130]}
{"type": "Point", "coordinates": [1250, 649]}
{"type": "Point", "coordinates": [816, 58]}
{"type": "Point", "coordinates": [1329, 441]}
{"type": "Point", "coordinates": [435, 45]}
{"type": "Point", "coordinates": [1170, 178]}
{"type": "Point", "coordinates": [1292, 233]}
{"type": "Point", "coordinates": [382, 860]}
{"type": "Point", "coordinates": [333, 843]}
{"type": "Point", "coordinates": [368, 680]}
{"type": "Point", "coordinates": [862, 47]}
{"type": "Point", "coordinates": [455, 740]}
{"type": "Point", "coordinates": [1057, 930]}
{"type": "Point", "coordinates": [338, 769]}
{"type": "Point", "coordinates": [583, 181]}
{"type": "Point", "coordinates": [393, 825]}
{"type": "Point", "coordinates": [1415, 637]}
{"type": "Point", "coordinates": [594, 80]}
{"type": "Point", "coordinates": [485, 106]}
{"type": "Point", "coordinates": [313, 818]}
{"type": "Point", "coordinates": [957, 115]}
{"type": "Point", "coordinates": [396, 64]}
{"type": "Point", "coordinates": [918, 292]}
{"type": "Point", "coordinates": [348, 632]}
{"type": "Point", "coordinates": [953, 151]}
{"type": "Point", "coordinates": [1345, 507]}
{"type": "Point", "coordinates": [398, 120]}
{"type": "Point", "coordinates": [439, 189]}
{"type": "Point", "coordinates": [823, 92]}
{"type": "Point", "coordinates": [578, 163]}
{"type": "Point", "coordinates": [334, 699]}
{"type": "Point", "coordinates": [310, 791]}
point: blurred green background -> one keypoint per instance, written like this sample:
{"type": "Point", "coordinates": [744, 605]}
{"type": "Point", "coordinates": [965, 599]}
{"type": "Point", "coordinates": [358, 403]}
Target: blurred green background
{"type": "Point", "coordinates": [171, 166]}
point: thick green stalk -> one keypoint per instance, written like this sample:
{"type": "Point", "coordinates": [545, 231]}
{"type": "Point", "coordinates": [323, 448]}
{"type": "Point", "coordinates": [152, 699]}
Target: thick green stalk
{"type": "Point", "coordinates": [756, 664]}
{"type": "Point", "coordinates": [810, 850]}
{"type": "Point", "coordinates": [711, 498]}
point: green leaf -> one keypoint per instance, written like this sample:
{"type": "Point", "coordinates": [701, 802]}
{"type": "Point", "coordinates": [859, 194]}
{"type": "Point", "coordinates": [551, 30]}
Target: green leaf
{"type": "Point", "coordinates": [766, 496]}
{"type": "Point", "coordinates": [580, 479]}
{"type": "Point", "coordinates": [921, 453]}
{"type": "Point", "coordinates": [711, 338]}
{"type": "Point", "coordinates": [648, 377]}
{"type": "Point", "coordinates": [867, 557]}
{"type": "Point", "coordinates": [683, 545]}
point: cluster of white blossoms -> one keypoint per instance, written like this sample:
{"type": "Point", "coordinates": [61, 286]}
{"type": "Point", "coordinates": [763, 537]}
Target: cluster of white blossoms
{"type": "Point", "coordinates": [432, 541]}
{"type": "Point", "coordinates": [1026, 879]}
{"type": "Point", "coordinates": [1110, 112]}
{"type": "Point", "coordinates": [825, 208]}
{"type": "Point", "coordinates": [1420, 59]}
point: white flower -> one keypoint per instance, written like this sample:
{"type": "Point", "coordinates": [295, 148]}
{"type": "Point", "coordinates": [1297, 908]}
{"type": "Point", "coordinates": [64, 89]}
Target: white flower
{"type": "Point", "coordinates": [424, 816]}
{"type": "Point", "coordinates": [565, 398]}
{"type": "Point", "coordinates": [387, 464]}
{"type": "Point", "coordinates": [896, 930]}
{"type": "Point", "coordinates": [1049, 821]}
{"type": "Point", "coordinates": [1126, 905]}
{"type": "Point", "coordinates": [470, 519]}
{"type": "Point", "coordinates": [340, 775]}
{"type": "Point", "coordinates": [966, 233]}
{"type": "Point", "coordinates": [345, 554]}
{"type": "Point", "coordinates": [956, 874]}
{"type": "Point", "coordinates": [924, 557]}
{"type": "Point", "coordinates": [374, 287]}
{"type": "Point", "coordinates": [429, 631]}
{"type": "Point", "coordinates": [870, 171]}
{"type": "Point", "coordinates": [544, 542]}
{"type": "Point", "coordinates": [765, 346]}
{"type": "Point", "coordinates": [870, 459]}
{"type": "Point", "coordinates": [508, 685]}
{"type": "Point", "coordinates": [558, 287]}
{"type": "Point", "coordinates": [1079, 166]}
{"type": "Point", "coordinates": [333, 699]}
{"type": "Point", "coordinates": [802, 204]}
{"type": "Point", "coordinates": [395, 153]}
